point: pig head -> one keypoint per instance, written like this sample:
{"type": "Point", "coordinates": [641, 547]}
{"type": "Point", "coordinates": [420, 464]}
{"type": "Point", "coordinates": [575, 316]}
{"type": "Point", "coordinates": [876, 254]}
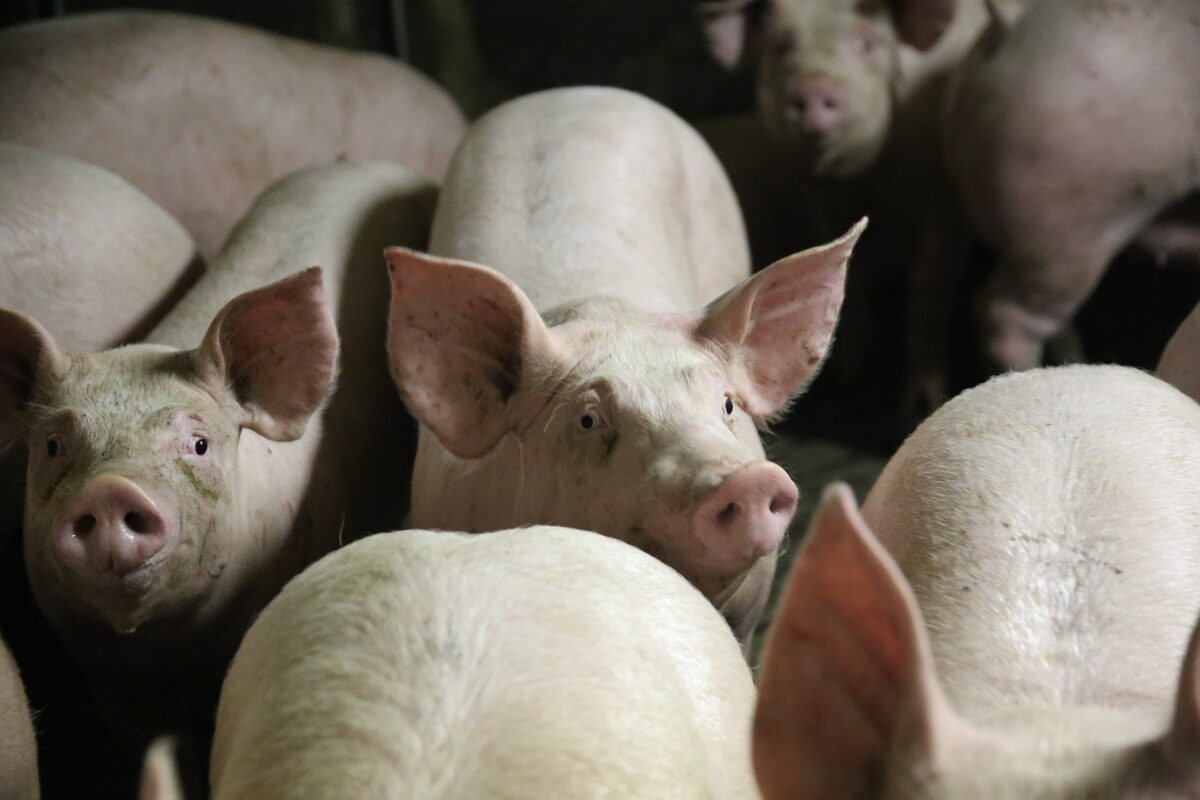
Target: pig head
{"type": "Point", "coordinates": [829, 71]}
{"type": "Point", "coordinates": [597, 415]}
{"type": "Point", "coordinates": [138, 522]}
{"type": "Point", "coordinates": [850, 705]}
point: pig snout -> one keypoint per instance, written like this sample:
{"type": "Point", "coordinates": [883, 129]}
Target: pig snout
{"type": "Point", "coordinates": [816, 108]}
{"type": "Point", "coordinates": [110, 526]}
{"type": "Point", "coordinates": [745, 517]}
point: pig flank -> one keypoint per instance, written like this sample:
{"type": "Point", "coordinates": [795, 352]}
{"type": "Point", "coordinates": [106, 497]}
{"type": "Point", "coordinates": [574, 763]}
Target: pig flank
{"type": "Point", "coordinates": [207, 437]}
{"type": "Point", "coordinates": [587, 368]}
{"type": "Point", "coordinates": [231, 109]}
{"type": "Point", "coordinates": [1031, 629]}
{"type": "Point", "coordinates": [532, 663]}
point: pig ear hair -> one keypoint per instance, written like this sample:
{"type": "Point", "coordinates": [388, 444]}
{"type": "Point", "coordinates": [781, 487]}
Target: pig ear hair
{"type": "Point", "coordinates": [777, 326]}
{"type": "Point", "coordinates": [921, 23]}
{"type": "Point", "coordinates": [847, 675]}
{"type": "Point", "coordinates": [732, 29]}
{"type": "Point", "coordinates": [28, 355]}
{"type": "Point", "coordinates": [460, 338]}
{"type": "Point", "coordinates": [160, 777]}
{"type": "Point", "coordinates": [274, 349]}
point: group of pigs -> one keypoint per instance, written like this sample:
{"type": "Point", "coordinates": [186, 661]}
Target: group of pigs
{"type": "Point", "coordinates": [200, 351]}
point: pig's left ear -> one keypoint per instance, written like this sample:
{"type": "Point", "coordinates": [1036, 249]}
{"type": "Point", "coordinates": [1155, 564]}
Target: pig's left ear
{"type": "Point", "coordinates": [776, 327]}
{"type": "Point", "coordinates": [921, 23]}
{"type": "Point", "coordinates": [274, 350]}
{"type": "Point", "coordinates": [28, 357]}
{"type": "Point", "coordinates": [732, 29]}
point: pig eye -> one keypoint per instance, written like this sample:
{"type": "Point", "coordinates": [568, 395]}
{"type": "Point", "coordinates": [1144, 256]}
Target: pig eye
{"type": "Point", "coordinates": [588, 422]}
{"type": "Point", "coordinates": [53, 447]}
{"type": "Point", "coordinates": [864, 46]}
{"type": "Point", "coordinates": [728, 405]}
{"type": "Point", "coordinates": [198, 445]}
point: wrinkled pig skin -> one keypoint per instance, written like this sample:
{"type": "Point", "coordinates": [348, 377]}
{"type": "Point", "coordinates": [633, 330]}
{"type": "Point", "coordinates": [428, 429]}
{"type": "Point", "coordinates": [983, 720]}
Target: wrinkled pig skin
{"type": "Point", "coordinates": [532, 663]}
{"type": "Point", "coordinates": [174, 486]}
{"type": "Point", "coordinates": [203, 115]}
{"type": "Point", "coordinates": [1030, 630]}
{"type": "Point", "coordinates": [1067, 133]}
{"type": "Point", "coordinates": [587, 368]}
{"type": "Point", "coordinates": [18, 749]}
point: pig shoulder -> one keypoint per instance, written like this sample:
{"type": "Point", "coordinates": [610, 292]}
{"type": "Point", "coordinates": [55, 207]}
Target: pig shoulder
{"type": "Point", "coordinates": [1084, 477]}
{"type": "Point", "coordinates": [85, 253]}
{"type": "Point", "coordinates": [546, 661]}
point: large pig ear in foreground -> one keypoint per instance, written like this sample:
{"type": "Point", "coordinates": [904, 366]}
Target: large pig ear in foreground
{"type": "Point", "coordinates": [28, 355]}
{"type": "Point", "coordinates": [274, 349]}
{"type": "Point", "coordinates": [847, 677]}
{"type": "Point", "coordinates": [732, 28]}
{"type": "Point", "coordinates": [921, 23]}
{"type": "Point", "coordinates": [776, 327]}
{"type": "Point", "coordinates": [460, 338]}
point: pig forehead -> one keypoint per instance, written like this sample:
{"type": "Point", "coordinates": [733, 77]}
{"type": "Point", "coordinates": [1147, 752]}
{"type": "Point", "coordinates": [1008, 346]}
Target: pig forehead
{"type": "Point", "coordinates": [137, 383]}
{"type": "Point", "coordinates": [640, 356]}
{"type": "Point", "coordinates": [815, 19]}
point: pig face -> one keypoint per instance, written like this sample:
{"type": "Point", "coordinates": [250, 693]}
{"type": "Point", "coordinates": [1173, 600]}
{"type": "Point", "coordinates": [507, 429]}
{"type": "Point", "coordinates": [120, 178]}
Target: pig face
{"type": "Point", "coordinates": [641, 426]}
{"type": "Point", "coordinates": [132, 511]}
{"type": "Point", "coordinates": [827, 69]}
{"type": "Point", "coordinates": [850, 704]}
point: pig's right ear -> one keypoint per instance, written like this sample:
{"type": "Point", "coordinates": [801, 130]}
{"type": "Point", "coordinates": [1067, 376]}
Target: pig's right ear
{"type": "Point", "coordinates": [460, 339]}
{"type": "Point", "coordinates": [847, 680]}
{"type": "Point", "coordinates": [274, 350]}
{"type": "Point", "coordinates": [28, 356]}
{"type": "Point", "coordinates": [732, 28]}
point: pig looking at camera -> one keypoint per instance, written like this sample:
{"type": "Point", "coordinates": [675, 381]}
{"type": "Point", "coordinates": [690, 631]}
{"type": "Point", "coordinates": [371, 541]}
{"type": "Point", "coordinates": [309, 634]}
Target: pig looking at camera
{"type": "Point", "coordinates": [532, 663]}
{"type": "Point", "coordinates": [579, 377]}
{"type": "Point", "coordinates": [174, 486]}
{"type": "Point", "coordinates": [1026, 632]}
{"type": "Point", "coordinates": [203, 115]}
{"type": "Point", "coordinates": [1068, 133]}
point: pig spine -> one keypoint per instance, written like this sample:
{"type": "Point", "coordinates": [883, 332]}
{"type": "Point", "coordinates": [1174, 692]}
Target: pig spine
{"type": "Point", "coordinates": [533, 663]}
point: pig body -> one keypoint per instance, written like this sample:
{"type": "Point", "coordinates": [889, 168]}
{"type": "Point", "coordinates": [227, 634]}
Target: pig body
{"type": "Point", "coordinates": [174, 486]}
{"type": "Point", "coordinates": [18, 756]}
{"type": "Point", "coordinates": [203, 115]}
{"type": "Point", "coordinates": [594, 371]}
{"type": "Point", "coordinates": [1048, 583]}
{"type": "Point", "coordinates": [1067, 133]}
{"type": "Point", "coordinates": [541, 662]}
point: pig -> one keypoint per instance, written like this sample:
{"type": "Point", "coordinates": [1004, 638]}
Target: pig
{"type": "Point", "coordinates": [1024, 626]}
{"type": "Point", "coordinates": [1179, 365]}
{"type": "Point", "coordinates": [579, 378]}
{"type": "Point", "coordinates": [18, 754]}
{"type": "Point", "coordinates": [202, 115]}
{"type": "Point", "coordinates": [856, 88]}
{"type": "Point", "coordinates": [173, 486]}
{"type": "Point", "coordinates": [531, 663]}
{"type": "Point", "coordinates": [1067, 133]}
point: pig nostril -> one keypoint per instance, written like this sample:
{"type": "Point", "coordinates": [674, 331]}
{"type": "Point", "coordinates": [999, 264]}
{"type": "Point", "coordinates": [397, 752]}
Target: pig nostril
{"type": "Point", "coordinates": [726, 514]}
{"type": "Point", "coordinates": [829, 103]}
{"type": "Point", "coordinates": [137, 523]}
{"type": "Point", "coordinates": [780, 504]}
{"type": "Point", "coordinates": [84, 525]}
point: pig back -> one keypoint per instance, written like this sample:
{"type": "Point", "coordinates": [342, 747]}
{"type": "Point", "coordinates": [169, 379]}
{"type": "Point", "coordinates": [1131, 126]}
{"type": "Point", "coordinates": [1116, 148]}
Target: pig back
{"type": "Point", "coordinates": [1048, 522]}
{"type": "Point", "coordinates": [202, 115]}
{"type": "Point", "coordinates": [533, 663]}
{"type": "Point", "coordinates": [591, 191]}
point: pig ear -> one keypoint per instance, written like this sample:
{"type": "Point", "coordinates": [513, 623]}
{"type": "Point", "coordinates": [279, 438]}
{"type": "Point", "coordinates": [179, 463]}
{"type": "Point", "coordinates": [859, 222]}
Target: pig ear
{"type": "Point", "coordinates": [160, 777]}
{"type": "Point", "coordinates": [847, 680]}
{"type": "Point", "coordinates": [777, 326]}
{"type": "Point", "coordinates": [28, 356]}
{"type": "Point", "coordinates": [921, 23]}
{"type": "Point", "coordinates": [274, 350]}
{"type": "Point", "coordinates": [460, 339]}
{"type": "Point", "coordinates": [732, 28]}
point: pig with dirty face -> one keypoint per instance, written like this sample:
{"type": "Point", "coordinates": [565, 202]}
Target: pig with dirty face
{"type": "Point", "coordinates": [830, 72]}
{"type": "Point", "coordinates": [136, 511]}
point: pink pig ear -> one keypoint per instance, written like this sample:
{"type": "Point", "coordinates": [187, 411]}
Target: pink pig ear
{"type": "Point", "coordinates": [460, 339]}
{"type": "Point", "coordinates": [921, 23]}
{"type": "Point", "coordinates": [274, 349]}
{"type": "Point", "coordinates": [847, 680]}
{"type": "Point", "coordinates": [732, 29]}
{"type": "Point", "coordinates": [776, 327]}
{"type": "Point", "coordinates": [28, 356]}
